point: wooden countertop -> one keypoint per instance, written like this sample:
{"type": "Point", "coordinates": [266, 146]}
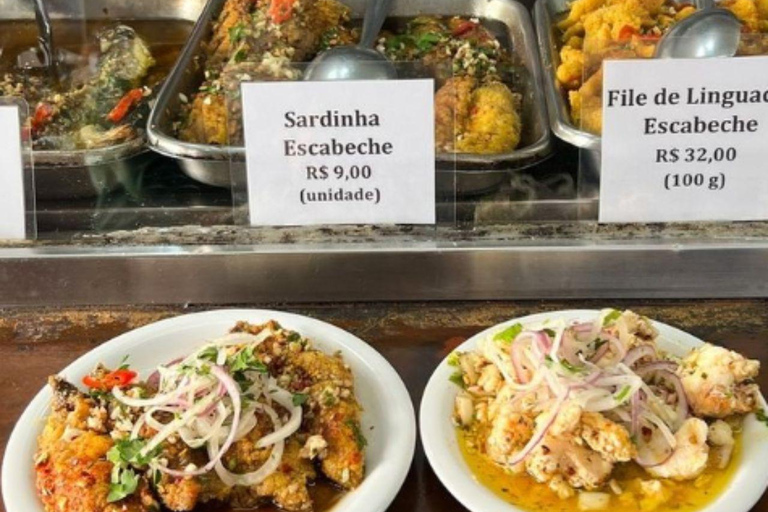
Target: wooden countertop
{"type": "Point", "coordinates": [413, 337]}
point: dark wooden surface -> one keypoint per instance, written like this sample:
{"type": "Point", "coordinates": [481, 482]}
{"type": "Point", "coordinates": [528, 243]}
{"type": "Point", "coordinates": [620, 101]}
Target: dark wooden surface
{"type": "Point", "coordinates": [413, 337]}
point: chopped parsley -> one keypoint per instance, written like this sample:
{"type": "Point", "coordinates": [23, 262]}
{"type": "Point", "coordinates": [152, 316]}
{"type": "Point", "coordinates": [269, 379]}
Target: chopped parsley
{"type": "Point", "coordinates": [550, 333]}
{"type": "Point", "coordinates": [621, 395]}
{"type": "Point", "coordinates": [123, 483]}
{"type": "Point", "coordinates": [124, 454]}
{"type": "Point", "coordinates": [210, 354]}
{"type": "Point", "coordinates": [458, 379]}
{"type": "Point", "coordinates": [299, 399]}
{"type": "Point", "coordinates": [124, 363]}
{"type": "Point", "coordinates": [453, 359]}
{"type": "Point", "coordinates": [328, 398]}
{"type": "Point", "coordinates": [611, 317]}
{"type": "Point", "coordinates": [426, 42]}
{"type": "Point", "coordinates": [240, 55]}
{"type": "Point", "coordinates": [236, 33]}
{"type": "Point", "coordinates": [510, 333]}
{"type": "Point", "coordinates": [360, 439]}
{"type": "Point", "coordinates": [761, 416]}
{"type": "Point", "coordinates": [568, 366]}
{"type": "Point", "coordinates": [246, 361]}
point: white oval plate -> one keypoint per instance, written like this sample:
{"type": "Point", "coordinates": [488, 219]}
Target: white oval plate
{"type": "Point", "coordinates": [387, 405]}
{"type": "Point", "coordinates": [441, 446]}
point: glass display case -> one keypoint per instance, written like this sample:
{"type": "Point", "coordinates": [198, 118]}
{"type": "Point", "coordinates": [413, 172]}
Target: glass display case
{"type": "Point", "coordinates": [135, 139]}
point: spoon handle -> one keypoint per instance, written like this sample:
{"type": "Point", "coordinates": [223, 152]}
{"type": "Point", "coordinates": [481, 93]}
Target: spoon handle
{"type": "Point", "coordinates": [45, 35]}
{"type": "Point", "coordinates": [375, 13]}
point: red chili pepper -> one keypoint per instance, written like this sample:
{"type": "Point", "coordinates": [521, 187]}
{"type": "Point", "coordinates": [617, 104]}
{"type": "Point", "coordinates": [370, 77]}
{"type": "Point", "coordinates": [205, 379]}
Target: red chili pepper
{"type": "Point", "coordinates": [43, 114]}
{"type": "Point", "coordinates": [463, 28]}
{"type": "Point", "coordinates": [280, 10]}
{"type": "Point", "coordinates": [125, 104]}
{"type": "Point", "coordinates": [626, 32]}
{"type": "Point", "coordinates": [117, 378]}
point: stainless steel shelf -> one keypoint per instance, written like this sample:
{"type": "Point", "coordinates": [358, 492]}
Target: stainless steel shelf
{"type": "Point", "coordinates": [371, 272]}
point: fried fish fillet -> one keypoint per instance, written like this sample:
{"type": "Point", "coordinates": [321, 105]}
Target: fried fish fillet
{"type": "Point", "coordinates": [72, 471]}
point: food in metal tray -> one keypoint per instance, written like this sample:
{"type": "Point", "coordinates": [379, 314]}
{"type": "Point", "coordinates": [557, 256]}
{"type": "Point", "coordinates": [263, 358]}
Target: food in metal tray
{"type": "Point", "coordinates": [592, 415]}
{"type": "Point", "coordinates": [252, 417]}
{"type": "Point", "coordinates": [476, 110]}
{"type": "Point", "coordinates": [595, 30]}
{"type": "Point", "coordinates": [89, 109]}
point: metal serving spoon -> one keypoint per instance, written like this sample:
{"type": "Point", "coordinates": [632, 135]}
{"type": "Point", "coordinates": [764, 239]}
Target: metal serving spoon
{"type": "Point", "coordinates": [709, 32]}
{"type": "Point", "coordinates": [29, 59]}
{"type": "Point", "coordinates": [359, 62]}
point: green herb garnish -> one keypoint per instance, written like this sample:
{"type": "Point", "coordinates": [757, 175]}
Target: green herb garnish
{"type": "Point", "coordinates": [124, 454]}
{"type": "Point", "coordinates": [360, 439]}
{"type": "Point", "coordinates": [453, 359]}
{"type": "Point", "coordinates": [458, 379]}
{"type": "Point", "coordinates": [510, 333]}
{"type": "Point", "coordinates": [621, 395]}
{"type": "Point", "coordinates": [568, 366]}
{"type": "Point", "coordinates": [611, 317]}
{"type": "Point", "coordinates": [236, 33]}
{"type": "Point", "coordinates": [245, 360]}
{"type": "Point", "coordinates": [761, 416]}
{"type": "Point", "coordinates": [299, 399]}
{"type": "Point", "coordinates": [210, 354]}
{"type": "Point", "coordinates": [426, 42]}
{"type": "Point", "coordinates": [240, 55]}
{"type": "Point", "coordinates": [123, 483]}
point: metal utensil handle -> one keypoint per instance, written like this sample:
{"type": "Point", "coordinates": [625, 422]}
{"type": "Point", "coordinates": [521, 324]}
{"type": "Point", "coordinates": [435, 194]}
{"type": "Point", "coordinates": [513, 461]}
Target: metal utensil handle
{"type": "Point", "coordinates": [705, 4]}
{"type": "Point", "coordinates": [375, 13]}
{"type": "Point", "coordinates": [45, 32]}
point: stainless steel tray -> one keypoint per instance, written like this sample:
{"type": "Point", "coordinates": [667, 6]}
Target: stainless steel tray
{"type": "Point", "coordinates": [475, 173]}
{"type": "Point", "coordinates": [85, 173]}
{"type": "Point", "coordinates": [545, 14]}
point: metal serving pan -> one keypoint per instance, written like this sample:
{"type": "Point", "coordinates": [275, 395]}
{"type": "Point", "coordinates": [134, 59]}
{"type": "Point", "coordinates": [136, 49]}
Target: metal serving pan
{"type": "Point", "coordinates": [85, 173]}
{"type": "Point", "coordinates": [475, 173]}
{"type": "Point", "coordinates": [546, 13]}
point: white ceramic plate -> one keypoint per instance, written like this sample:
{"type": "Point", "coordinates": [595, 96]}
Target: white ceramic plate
{"type": "Point", "coordinates": [441, 446]}
{"type": "Point", "coordinates": [388, 420]}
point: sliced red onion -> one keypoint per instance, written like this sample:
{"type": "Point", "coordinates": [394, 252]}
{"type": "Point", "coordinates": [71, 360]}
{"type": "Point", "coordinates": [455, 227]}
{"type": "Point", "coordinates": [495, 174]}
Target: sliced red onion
{"type": "Point", "coordinates": [654, 451]}
{"type": "Point", "coordinates": [600, 352]}
{"type": "Point", "coordinates": [258, 476]}
{"type": "Point", "coordinates": [160, 399]}
{"type": "Point", "coordinates": [637, 353]}
{"type": "Point", "coordinates": [545, 344]}
{"type": "Point", "coordinates": [538, 436]}
{"type": "Point", "coordinates": [635, 412]}
{"type": "Point", "coordinates": [647, 368]}
{"type": "Point", "coordinates": [611, 341]}
{"type": "Point", "coordinates": [664, 375]}
{"type": "Point", "coordinates": [285, 399]}
{"type": "Point", "coordinates": [233, 389]}
{"type": "Point", "coordinates": [517, 355]}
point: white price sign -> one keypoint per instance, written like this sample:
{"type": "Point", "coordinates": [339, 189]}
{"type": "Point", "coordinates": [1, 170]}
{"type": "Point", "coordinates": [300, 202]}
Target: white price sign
{"type": "Point", "coordinates": [357, 152]}
{"type": "Point", "coordinates": [12, 219]}
{"type": "Point", "coordinates": [685, 140]}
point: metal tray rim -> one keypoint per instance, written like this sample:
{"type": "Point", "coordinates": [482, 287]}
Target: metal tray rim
{"type": "Point", "coordinates": [168, 145]}
{"type": "Point", "coordinates": [559, 119]}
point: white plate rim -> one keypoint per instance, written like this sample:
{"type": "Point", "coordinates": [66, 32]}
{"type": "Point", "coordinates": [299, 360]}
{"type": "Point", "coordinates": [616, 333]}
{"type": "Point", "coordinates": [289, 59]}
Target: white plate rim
{"type": "Point", "coordinates": [397, 435]}
{"type": "Point", "coordinates": [438, 436]}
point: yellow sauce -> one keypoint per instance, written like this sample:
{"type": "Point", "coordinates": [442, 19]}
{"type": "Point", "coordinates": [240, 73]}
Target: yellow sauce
{"type": "Point", "coordinates": [524, 492]}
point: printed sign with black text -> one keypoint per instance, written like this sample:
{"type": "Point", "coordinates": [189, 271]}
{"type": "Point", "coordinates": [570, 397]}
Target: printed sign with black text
{"type": "Point", "coordinates": [359, 152]}
{"type": "Point", "coordinates": [685, 140]}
